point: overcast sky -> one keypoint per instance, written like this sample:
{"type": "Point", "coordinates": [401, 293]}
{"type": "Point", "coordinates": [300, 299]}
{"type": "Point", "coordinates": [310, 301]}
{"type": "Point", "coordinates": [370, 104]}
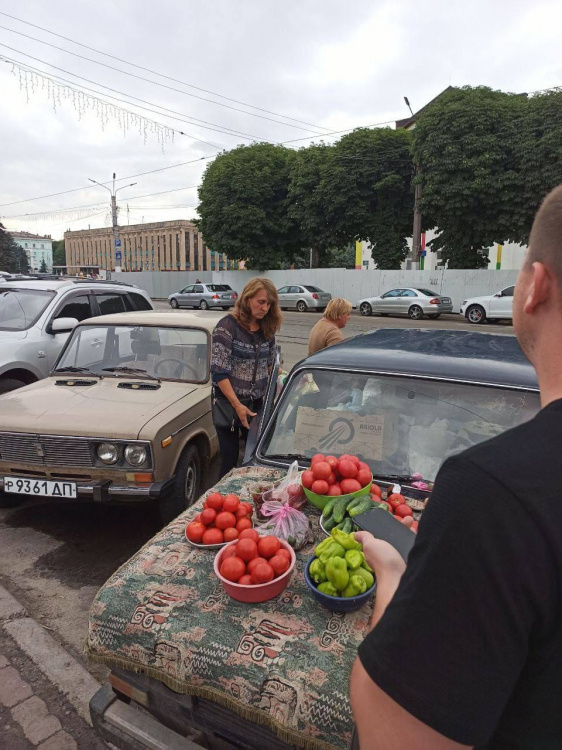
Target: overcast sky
{"type": "Point", "coordinates": [331, 65]}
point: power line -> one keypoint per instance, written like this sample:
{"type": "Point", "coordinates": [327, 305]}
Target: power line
{"type": "Point", "coordinates": [161, 75]}
{"type": "Point", "coordinates": [184, 118]}
{"type": "Point", "coordinates": [147, 80]}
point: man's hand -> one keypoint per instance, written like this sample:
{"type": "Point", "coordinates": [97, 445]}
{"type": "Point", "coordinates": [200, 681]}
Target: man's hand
{"type": "Point", "coordinates": [243, 413]}
{"type": "Point", "coordinates": [381, 556]}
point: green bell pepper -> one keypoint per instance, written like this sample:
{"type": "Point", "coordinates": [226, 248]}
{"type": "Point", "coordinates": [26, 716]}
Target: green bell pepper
{"type": "Point", "coordinates": [346, 540]}
{"type": "Point", "coordinates": [353, 559]}
{"type": "Point", "coordinates": [328, 588]}
{"type": "Point", "coordinates": [322, 546]}
{"type": "Point", "coordinates": [365, 564]}
{"type": "Point", "coordinates": [332, 550]}
{"type": "Point", "coordinates": [355, 587]}
{"type": "Point", "coordinates": [365, 575]}
{"type": "Point", "coordinates": [317, 571]}
{"type": "Point", "coordinates": [337, 573]}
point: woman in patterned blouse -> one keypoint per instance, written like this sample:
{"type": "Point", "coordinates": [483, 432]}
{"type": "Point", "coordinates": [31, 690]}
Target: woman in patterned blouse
{"type": "Point", "coordinates": [242, 357]}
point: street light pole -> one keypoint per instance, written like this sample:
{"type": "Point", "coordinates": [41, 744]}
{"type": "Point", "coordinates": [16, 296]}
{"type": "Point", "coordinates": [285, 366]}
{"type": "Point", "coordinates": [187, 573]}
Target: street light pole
{"type": "Point", "coordinates": [417, 228]}
{"type": "Point", "coordinates": [116, 240]}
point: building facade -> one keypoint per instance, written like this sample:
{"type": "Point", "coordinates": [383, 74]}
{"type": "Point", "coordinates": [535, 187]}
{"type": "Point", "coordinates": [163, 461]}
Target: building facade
{"type": "Point", "coordinates": [161, 246]}
{"type": "Point", "coordinates": [37, 249]}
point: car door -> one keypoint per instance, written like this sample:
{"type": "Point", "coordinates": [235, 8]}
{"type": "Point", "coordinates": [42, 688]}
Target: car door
{"type": "Point", "coordinates": [79, 306]}
{"type": "Point", "coordinates": [387, 301]}
{"type": "Point", "coordinates": [198, 295]}
{"type": "Point", "coordinates": [184, 296]}
{"type": "Point", "coordinates": [110, 302]}
{"type": "Point", "coordinates": [282, 294]}
{"type": "Point", "coordinates": [404, 301]}
{"type": "Point", "coordinates": [258, 423]}
{"type": "Point", "coordinates": [501, 304]}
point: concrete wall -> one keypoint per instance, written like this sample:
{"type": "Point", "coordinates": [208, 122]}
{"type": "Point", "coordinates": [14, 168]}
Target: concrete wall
{"type": "Point", "coordinates": [353, 285]}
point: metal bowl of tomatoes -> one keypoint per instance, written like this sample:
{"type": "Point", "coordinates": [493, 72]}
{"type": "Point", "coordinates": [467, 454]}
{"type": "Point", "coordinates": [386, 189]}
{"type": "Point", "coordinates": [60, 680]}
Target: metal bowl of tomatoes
{"type": "Point", "coordinates": [222, 520]}
{"type": "Point", "coordinates": [255, 568]}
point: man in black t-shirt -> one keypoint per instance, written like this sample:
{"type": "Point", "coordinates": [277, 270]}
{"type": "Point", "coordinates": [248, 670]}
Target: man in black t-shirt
{"type": "Point", "coordinates": [466, 644]}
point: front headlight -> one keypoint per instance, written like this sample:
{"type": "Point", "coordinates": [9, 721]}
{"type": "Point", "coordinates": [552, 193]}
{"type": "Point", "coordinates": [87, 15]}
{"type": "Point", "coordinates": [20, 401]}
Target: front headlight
{"type": "Point", "coordinates": [107, 452]}
{"type": "Point", "coordinates": [135, 455]}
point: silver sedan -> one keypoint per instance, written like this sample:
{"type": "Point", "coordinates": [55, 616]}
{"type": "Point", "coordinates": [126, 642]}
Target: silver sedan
{"type": "Point", "coordinates": [415, 303]}
{"type": "Point", "coordinates": [204, 296]}
{"type": "Point", "coordinates": [303, 297]}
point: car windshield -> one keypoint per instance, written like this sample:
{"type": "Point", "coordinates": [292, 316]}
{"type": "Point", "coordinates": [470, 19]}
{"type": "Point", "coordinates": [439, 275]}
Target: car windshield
{"type": "Point", "coordinates": [428, 292]}
{"type": "Point", "coordinates": [218, 288]}
{"type": "Point", "coordinates": [313, 288]}
{"type": "Point", "coordinates": [399, 426]}
{"type": "Point", "coordinates": [20, 308]}
{"type": "Point", "coordinates": [134, 351]}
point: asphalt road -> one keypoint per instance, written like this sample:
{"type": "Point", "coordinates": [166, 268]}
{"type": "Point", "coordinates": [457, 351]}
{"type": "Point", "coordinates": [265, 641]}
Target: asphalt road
{"type": "Point", "coordinates": [55, 557]}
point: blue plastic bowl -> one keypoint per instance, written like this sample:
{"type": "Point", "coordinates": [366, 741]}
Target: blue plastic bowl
{"type": "Point", "coordinates": [337, 603]}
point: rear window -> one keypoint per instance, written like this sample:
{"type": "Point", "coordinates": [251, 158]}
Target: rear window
{"type": "Point", "coordinates": [218, 287]}
{"type": "Point", "coordinates": [428, 292]}
{"type": "Point", "coordinates": [313, 289]}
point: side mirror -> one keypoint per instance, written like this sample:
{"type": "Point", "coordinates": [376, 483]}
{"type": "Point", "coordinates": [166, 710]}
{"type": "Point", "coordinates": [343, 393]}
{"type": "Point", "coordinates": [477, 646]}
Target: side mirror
{"type": "Point", "coordinates": [63, 325]}
{"type": "Point", "coordinates": [498, 294]}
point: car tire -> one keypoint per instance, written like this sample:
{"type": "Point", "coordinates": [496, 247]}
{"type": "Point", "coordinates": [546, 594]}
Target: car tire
{"type": "Point", "coordinates": [434, 316]}
{"type": "Point", "coordinates": [203, 305]}
{"type": "Point", "coordinates": [174, 303]}
{"type": "Point", "coordinates": [225, 308]}
{"type": "Point", "coordinates": [476, 314]}
{"type": "Point", "coordinates": [186, 485]}
{"type": "Point", "coordinates": [302, 306]}
{"type": "Point", "coordinates": [415, 312]}
{"type": "Point", "coordinates": [365, 309]}
{"type": "Point", "coordinates": [10, 384]}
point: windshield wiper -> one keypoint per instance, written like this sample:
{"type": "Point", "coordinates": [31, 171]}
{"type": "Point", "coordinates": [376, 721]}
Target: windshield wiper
{"type": "Point", "coordinates": [132, 371]}
{"type": "Point", "coordinates": [81, 370]}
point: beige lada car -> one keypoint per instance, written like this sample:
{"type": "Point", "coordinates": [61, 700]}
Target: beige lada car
{"type": "Point", "coordinates": [124, 416]}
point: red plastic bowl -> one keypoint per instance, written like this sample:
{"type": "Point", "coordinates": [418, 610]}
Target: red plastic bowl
{"type": "Point", "coordinates": [260, 592]}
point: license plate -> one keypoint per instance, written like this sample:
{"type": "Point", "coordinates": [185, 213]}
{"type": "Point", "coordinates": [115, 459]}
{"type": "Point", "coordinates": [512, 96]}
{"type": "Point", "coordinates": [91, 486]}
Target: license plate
{"type": "Point", "coordinates": [41, 487]}
{"type": "Point", "coordinates": [446, 301]}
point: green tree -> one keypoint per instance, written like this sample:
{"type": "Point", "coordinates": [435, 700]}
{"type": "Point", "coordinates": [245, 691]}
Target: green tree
{"type": "Point", "coordinates": [243, 206]}
{"type": "Point", "coordinates": [43, 266]}
{"type": "Point", "coordinates": [468, 146]}
{"type": "Point", "coordinates": [12, 257]}
{"type": "Point", "coordinates": [59, 255]}
{"type": "Point", "coordinates": [374, 179]}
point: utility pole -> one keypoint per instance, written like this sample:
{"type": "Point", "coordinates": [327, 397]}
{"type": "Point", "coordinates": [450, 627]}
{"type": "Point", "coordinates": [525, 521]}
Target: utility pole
{"type": "Point", "coordinates": [417, 229]}
{"type": "Point", "coordinates": [116, 240]}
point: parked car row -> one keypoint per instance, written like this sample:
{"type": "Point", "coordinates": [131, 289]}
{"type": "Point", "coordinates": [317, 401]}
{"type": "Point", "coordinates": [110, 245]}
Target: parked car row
{"type": "Point", "coordinates": [415, 302]}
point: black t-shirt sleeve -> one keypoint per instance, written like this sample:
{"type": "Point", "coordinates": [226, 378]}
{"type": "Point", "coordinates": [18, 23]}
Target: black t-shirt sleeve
{"type": "Point", "coordinates": [453, 641]}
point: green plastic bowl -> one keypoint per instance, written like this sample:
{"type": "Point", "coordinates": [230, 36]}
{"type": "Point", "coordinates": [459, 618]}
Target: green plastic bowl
{"type": "Point", "coordinates": [320, 500]}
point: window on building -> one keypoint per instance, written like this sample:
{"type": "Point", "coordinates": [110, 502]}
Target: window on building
{"type": "Point", "coordinates": [187, 249]}
{"type": "Point", "coordinates": [204, 254]}
{"type": "Point", "coordinates": [196, 252]}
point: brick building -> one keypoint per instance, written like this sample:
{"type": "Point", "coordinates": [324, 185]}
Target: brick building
{"type": "Point", "coordinates": [162, 246]}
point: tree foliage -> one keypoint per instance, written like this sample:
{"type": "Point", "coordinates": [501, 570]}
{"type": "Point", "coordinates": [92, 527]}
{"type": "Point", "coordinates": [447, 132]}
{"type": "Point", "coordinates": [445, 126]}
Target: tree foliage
{"type": "Point", "coordinates": [12, 257]}
{"type": "Point", "coordinates": [244, 206]}
{"type": "Point", "coordinates": [59, 255]}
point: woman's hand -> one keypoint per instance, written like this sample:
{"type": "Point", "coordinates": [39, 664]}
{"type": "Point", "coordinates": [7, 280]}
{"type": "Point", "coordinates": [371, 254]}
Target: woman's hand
{"type": "Point", "coordinates": [243, 413]}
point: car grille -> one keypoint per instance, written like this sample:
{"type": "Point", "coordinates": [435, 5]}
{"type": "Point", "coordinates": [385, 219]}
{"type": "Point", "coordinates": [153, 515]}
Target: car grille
{"type": "Point", "coordinates": [45, 450]}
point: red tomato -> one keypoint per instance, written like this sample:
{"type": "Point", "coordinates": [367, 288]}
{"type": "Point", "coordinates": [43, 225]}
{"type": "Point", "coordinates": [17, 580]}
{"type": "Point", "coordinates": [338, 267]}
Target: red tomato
{"type": "Point", "coordinates": [250, 534]}
{"type": "Point", "coordinates": [244, 523]}
{"type": "Point", "coordinates": [317, 457]}
{"type": "Point", "coordinates": [321, 470]}
{"type": "Point", "coordinates": [225, 520]}
{"type": "Point", "coordinates": [403, 510]}
{"type": "Point", "coordinates": [214, 501]}
{"type": "Point", "coordinates": [246, 549]}
{"type": "Point", "coordinates": [280, 564]}
{"type": "Point", "coordinates": [230, 534]}
{"type": "Point", "coordinates": [347, 468]}
{"type": "Point", "coordinates": [334, 490]}
{"type": "Point", "coordinates": [333, 461]}
{"type": "Point", "coordinates": [213, 536]}
{"type": "Point", "coordinates": [331, 479]}
{"type": "Point", "coordinates": [195, 531]}
{"type": "Point", "coordinates": [395, 500]}
{"type": "Point", "coordinates": [363, 465]}
{"type": "Point", "coordinates": [349, 485]}
{"type": "Point", "coordinates": [249, 507]}
{"type": "Point", "coordinates": [364, 477]}
{"type": "Point", "coordinates": [230, 503]}
{"type": "Point", "coordinates": [208, 516]}
{"type": "Point", "coordinates": [307, 479]}
{"type": "Point", "coordinates": [268, 546]}
{"type": "Point", "coordinates": [256, 561]}
{"type": "Point", "coordinates": [197, 517]}
{"type": "Point", "coordinates": [233, 568]}
{"type": "Point", "coordinates": [245, 580]}
{"type": "Point", "coordinates": [375, 490]}
{"type": "Point", "coordinates": [242, 512]}
{"type": "Point", "coordinates": [262, 573]}
{"type": "Point", "coordinates": [347, 457]}
{"type": "Point", "coordinates": [284, 553]}
{"type": "Point", "coordinates": [320, 487]}
{"type": "Point", "coordinates": [229, 552]}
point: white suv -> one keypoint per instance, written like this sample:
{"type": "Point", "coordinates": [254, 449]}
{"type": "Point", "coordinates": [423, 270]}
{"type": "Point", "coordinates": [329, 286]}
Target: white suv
{"type": "Point", "coordinates": [37, 316]}
{"type": "Point", "coordinates": [498, 306]}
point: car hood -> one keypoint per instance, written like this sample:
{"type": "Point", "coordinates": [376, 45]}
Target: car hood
{"type": "Point", "coordinates": [94, 410]}
{"type": "Point", "coordinates": [485, 298]}
{"type": "Point", "coordinates": [7, 336]}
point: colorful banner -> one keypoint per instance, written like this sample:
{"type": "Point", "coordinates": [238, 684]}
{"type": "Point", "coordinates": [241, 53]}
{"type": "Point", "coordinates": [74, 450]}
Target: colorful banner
{"type": "Point", "coordinates": [358, 255]}
{"type": "Point", "coordinates": [499, 258]}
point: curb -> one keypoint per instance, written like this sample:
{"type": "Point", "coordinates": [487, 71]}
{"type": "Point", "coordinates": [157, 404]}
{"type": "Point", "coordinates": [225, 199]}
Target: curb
{"type": "Point", "coordinates": [57, 664]}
